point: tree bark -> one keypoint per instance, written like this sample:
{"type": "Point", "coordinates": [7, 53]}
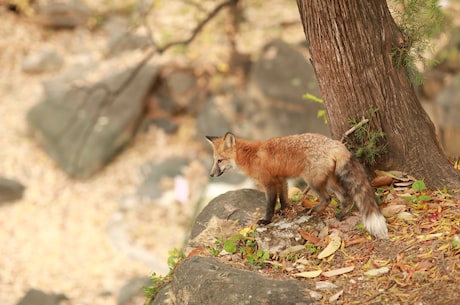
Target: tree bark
{"type": "Point", "coordinates": [350, 43]}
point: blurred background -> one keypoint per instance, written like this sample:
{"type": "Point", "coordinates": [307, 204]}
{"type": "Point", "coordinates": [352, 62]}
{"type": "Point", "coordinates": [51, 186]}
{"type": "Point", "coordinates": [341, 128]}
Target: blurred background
{"type": "Point", "coordinates": [104, 106]}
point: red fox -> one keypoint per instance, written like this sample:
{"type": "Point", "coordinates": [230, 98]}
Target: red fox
{"type": "Point", "coordinates": [325, 164]}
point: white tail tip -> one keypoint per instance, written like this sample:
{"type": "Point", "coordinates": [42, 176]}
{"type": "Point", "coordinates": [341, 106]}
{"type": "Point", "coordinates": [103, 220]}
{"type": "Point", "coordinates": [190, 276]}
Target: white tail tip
{"type": "Point", "coordinates": [376, 225]}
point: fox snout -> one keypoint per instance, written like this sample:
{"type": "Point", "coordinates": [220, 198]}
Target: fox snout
{"type": "Point", "coordinates": [216, 171]}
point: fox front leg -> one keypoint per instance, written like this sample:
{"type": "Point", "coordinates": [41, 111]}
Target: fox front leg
{"type": "Point", "coordinates": [271, 196]}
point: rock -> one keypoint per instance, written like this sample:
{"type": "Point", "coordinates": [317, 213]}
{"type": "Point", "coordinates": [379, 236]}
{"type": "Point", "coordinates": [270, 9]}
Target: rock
{"type": "Point", "coordinates": [167, 125]}
{"type": "Point", "coordinates": [245, 205]}
{"type": "Point", "coordinates": [122, 38]}
{"type": "Point", "coordinates": [154, 172]}
{"type": "Point", "coordinates": [62, 14]}
{"type": "Point", "coordinates": [37, 297]}
{"type": "Point", "coordinates": [133, 291]}
{"type": "Point", "coordinates": [10, 190]}
{"type": "Point", "coordinates": [448, 109]}
{"type": "Point", "coordinates": [204, 280]}
{"type": "Point", "coordinates": [84, 121]}
{"type": "Point", "coordinates": [43, 61]}
{"type": "Point", "coordinates": [211, 121]}
{"type": "Point", "coordinates": [178, 92]}
{"type": "Point", "coordinates": [448, 58]}
{"type": "Point", "coordinates": [274, 104]}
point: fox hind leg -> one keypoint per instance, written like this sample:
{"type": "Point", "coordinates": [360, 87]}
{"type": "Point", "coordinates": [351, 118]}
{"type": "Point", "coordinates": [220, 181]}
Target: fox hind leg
{"type": "Point", "coordinates": [283, 193]}
{"type": "Point", "coordinates": [344, 198]}
{"type": "Point", "coordinates": [319, 187]}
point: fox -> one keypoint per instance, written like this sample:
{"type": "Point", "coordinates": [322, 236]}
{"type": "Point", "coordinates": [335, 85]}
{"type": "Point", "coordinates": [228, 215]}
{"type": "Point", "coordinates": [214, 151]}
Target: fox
{"type": "Point", "coordinates": [325, 164]}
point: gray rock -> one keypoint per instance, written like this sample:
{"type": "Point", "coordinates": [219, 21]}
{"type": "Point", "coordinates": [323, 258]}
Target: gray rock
{"type": "Point", "coordinates": [37, 297]}
{"type": "Point", "coordinates": [211, 121]}
{"type": "Point", "coordinates": [167, 125]}
{"type": "Point", "coordinates": [154, 172]}
{"type": "Point", "coordinates": [10, 190]}
{"type": "Point", "coordinates": [178, 92]}
{"type": "Point", "coordinates": [242, 205]}
{"type": "Point", "coordinates": [204, 280]}
{"type": "Point", "coordinates": [85, 125]}
{"type": "Point", "coordinates": [274, 104]}
{"type": "Point", "coordinates": [44, 61]}
{"type": "Point", "coordinates": [132, 290]}
{"type": "Point", "coordinates": [448, 109]}
{"type": "Point", "coordinates": [62, 14]}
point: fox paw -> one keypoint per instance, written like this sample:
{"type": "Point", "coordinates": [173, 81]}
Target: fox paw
{"type": "Point", "coordinates": [263, 222]}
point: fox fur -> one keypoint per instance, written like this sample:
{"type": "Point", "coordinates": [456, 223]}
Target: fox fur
{"type": "Point", "coordinates": [325, 164]}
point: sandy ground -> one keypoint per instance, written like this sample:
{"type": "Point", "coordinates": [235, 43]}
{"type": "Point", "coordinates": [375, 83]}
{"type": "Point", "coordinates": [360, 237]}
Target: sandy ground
{"type": "Point", "coordinates": [55, 238]}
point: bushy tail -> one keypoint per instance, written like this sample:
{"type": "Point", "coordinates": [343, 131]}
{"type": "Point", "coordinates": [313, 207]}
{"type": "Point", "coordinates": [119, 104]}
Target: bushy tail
{"type": "Point", "coordinates": [352, 177]}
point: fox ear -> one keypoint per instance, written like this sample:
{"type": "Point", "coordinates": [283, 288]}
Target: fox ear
{"type": "Point", "coordinates": [230, 140]}
{"type": "Point", "coordinates": [211, 139]}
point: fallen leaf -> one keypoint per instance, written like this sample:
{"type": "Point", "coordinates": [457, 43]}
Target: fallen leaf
{"type": "Point", "coordinates": [310, 237]}
{"type": "Point", "coordinates": [381, 181]}
{"type": "Point", "coordinates": [309, 274]}
{"type": "Point", "coordinates": [404, 184]}
{"type": "Point", "coordinates": [424, 265]}
{"type": "Point", "coordinates": [429, 236]}
{"type": "Point", "coordinates": [377, 272]}
{"type": "Point", "coordinates": [336, 296]}
{"type": "Point", "coordinates": [307, 203]}
{"type": "Point", "coordinates": [392, 210]}
{"type": "Point", "coordinates": [393, 174]}
{"type": "Point", "coordinates": [333, 246]}
{"type": "Point", "coordinates": [339, 271]}
{"type": "Point", "coordinates": [405, 215]}
{"type": "Point", "coordinates": [196, 251]}
{"type": "Point", "coordinates": [355, 241]}
{"type": "Point", "coordinates": [323, 285]}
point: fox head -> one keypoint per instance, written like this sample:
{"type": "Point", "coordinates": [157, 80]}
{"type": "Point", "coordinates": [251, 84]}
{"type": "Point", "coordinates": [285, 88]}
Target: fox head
{"type": "Point", "coordinates": [224, 149]}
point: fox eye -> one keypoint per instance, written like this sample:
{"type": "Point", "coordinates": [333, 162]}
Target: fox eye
{"type": "Point", "coordinates": [219, 161]}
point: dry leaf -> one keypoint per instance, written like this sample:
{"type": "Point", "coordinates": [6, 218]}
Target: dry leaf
{"type": "Point", "coordinates": [377, 272]}
{"type": "Point", "coordinates": [381, 181]}
{"type": "Point", "coordinates": [336, 296]}
{"type": "Point", "coordinates": [309, 274]}
{"type": "Point", "coordinates": [355, 241]}
{"type": "Point", "coordinates": [405, 215]}
{"type": "Point", "coordinates": [392, 210]}
{"type": "Point", "coordinates": [339, 271]}
{"type": "Point", "coordinates": [311, 238]}
{"type": "Point", "coordinates": [333, 246]}
{"type": "Point", "coordinates": [307, 203]}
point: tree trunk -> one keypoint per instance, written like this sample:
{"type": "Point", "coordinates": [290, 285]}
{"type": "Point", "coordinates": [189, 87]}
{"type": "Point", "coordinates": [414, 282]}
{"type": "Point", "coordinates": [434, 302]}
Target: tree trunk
{"type": "Point", "coordinates": [350, 43]}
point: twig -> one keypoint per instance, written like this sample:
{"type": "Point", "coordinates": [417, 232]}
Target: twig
{"type": "Point", "coordinates": [198, 28]}
{"type": "Point", "coordinates": [352, 129]}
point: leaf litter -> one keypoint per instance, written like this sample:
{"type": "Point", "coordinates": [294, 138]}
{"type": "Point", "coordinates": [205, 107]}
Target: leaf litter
{"type": "Point", "coordinates": [419, 263]}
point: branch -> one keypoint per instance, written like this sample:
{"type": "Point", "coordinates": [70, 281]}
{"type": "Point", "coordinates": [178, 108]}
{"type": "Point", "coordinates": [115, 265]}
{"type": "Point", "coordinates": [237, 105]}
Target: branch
{"type": "Point", "coordinates": [198, 28]}
{"type": "Point", "coordinates": [352, 129]}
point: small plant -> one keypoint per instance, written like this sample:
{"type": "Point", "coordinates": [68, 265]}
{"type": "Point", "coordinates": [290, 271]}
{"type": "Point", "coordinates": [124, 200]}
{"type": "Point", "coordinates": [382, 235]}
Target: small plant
{"type": "Point", "coordinates": [368, 144]}
{"type": "Point", "coordinates": [158, 281]}
{"type": "Point", "coordinates": [419, 21]}
{"type": "Point", "coordinates": [321, 113]}
{"type": "Point", "coordinates": [418, 186]}
{"type": "Point", "coordinates": [245, 244]}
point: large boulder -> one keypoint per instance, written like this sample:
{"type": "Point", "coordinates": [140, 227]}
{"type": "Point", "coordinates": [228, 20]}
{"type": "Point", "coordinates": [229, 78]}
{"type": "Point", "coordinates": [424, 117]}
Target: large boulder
{"type": "Point", "coordinates": [274, 105]}
{"type": "Point", "coordinates": [201, 280]}
{"type": "Point", "coordinates": [87, 117]}
{"type": "Point", "coordinates": [211, 280]}
{"type": "Point", "coordinates": [448, 109]}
